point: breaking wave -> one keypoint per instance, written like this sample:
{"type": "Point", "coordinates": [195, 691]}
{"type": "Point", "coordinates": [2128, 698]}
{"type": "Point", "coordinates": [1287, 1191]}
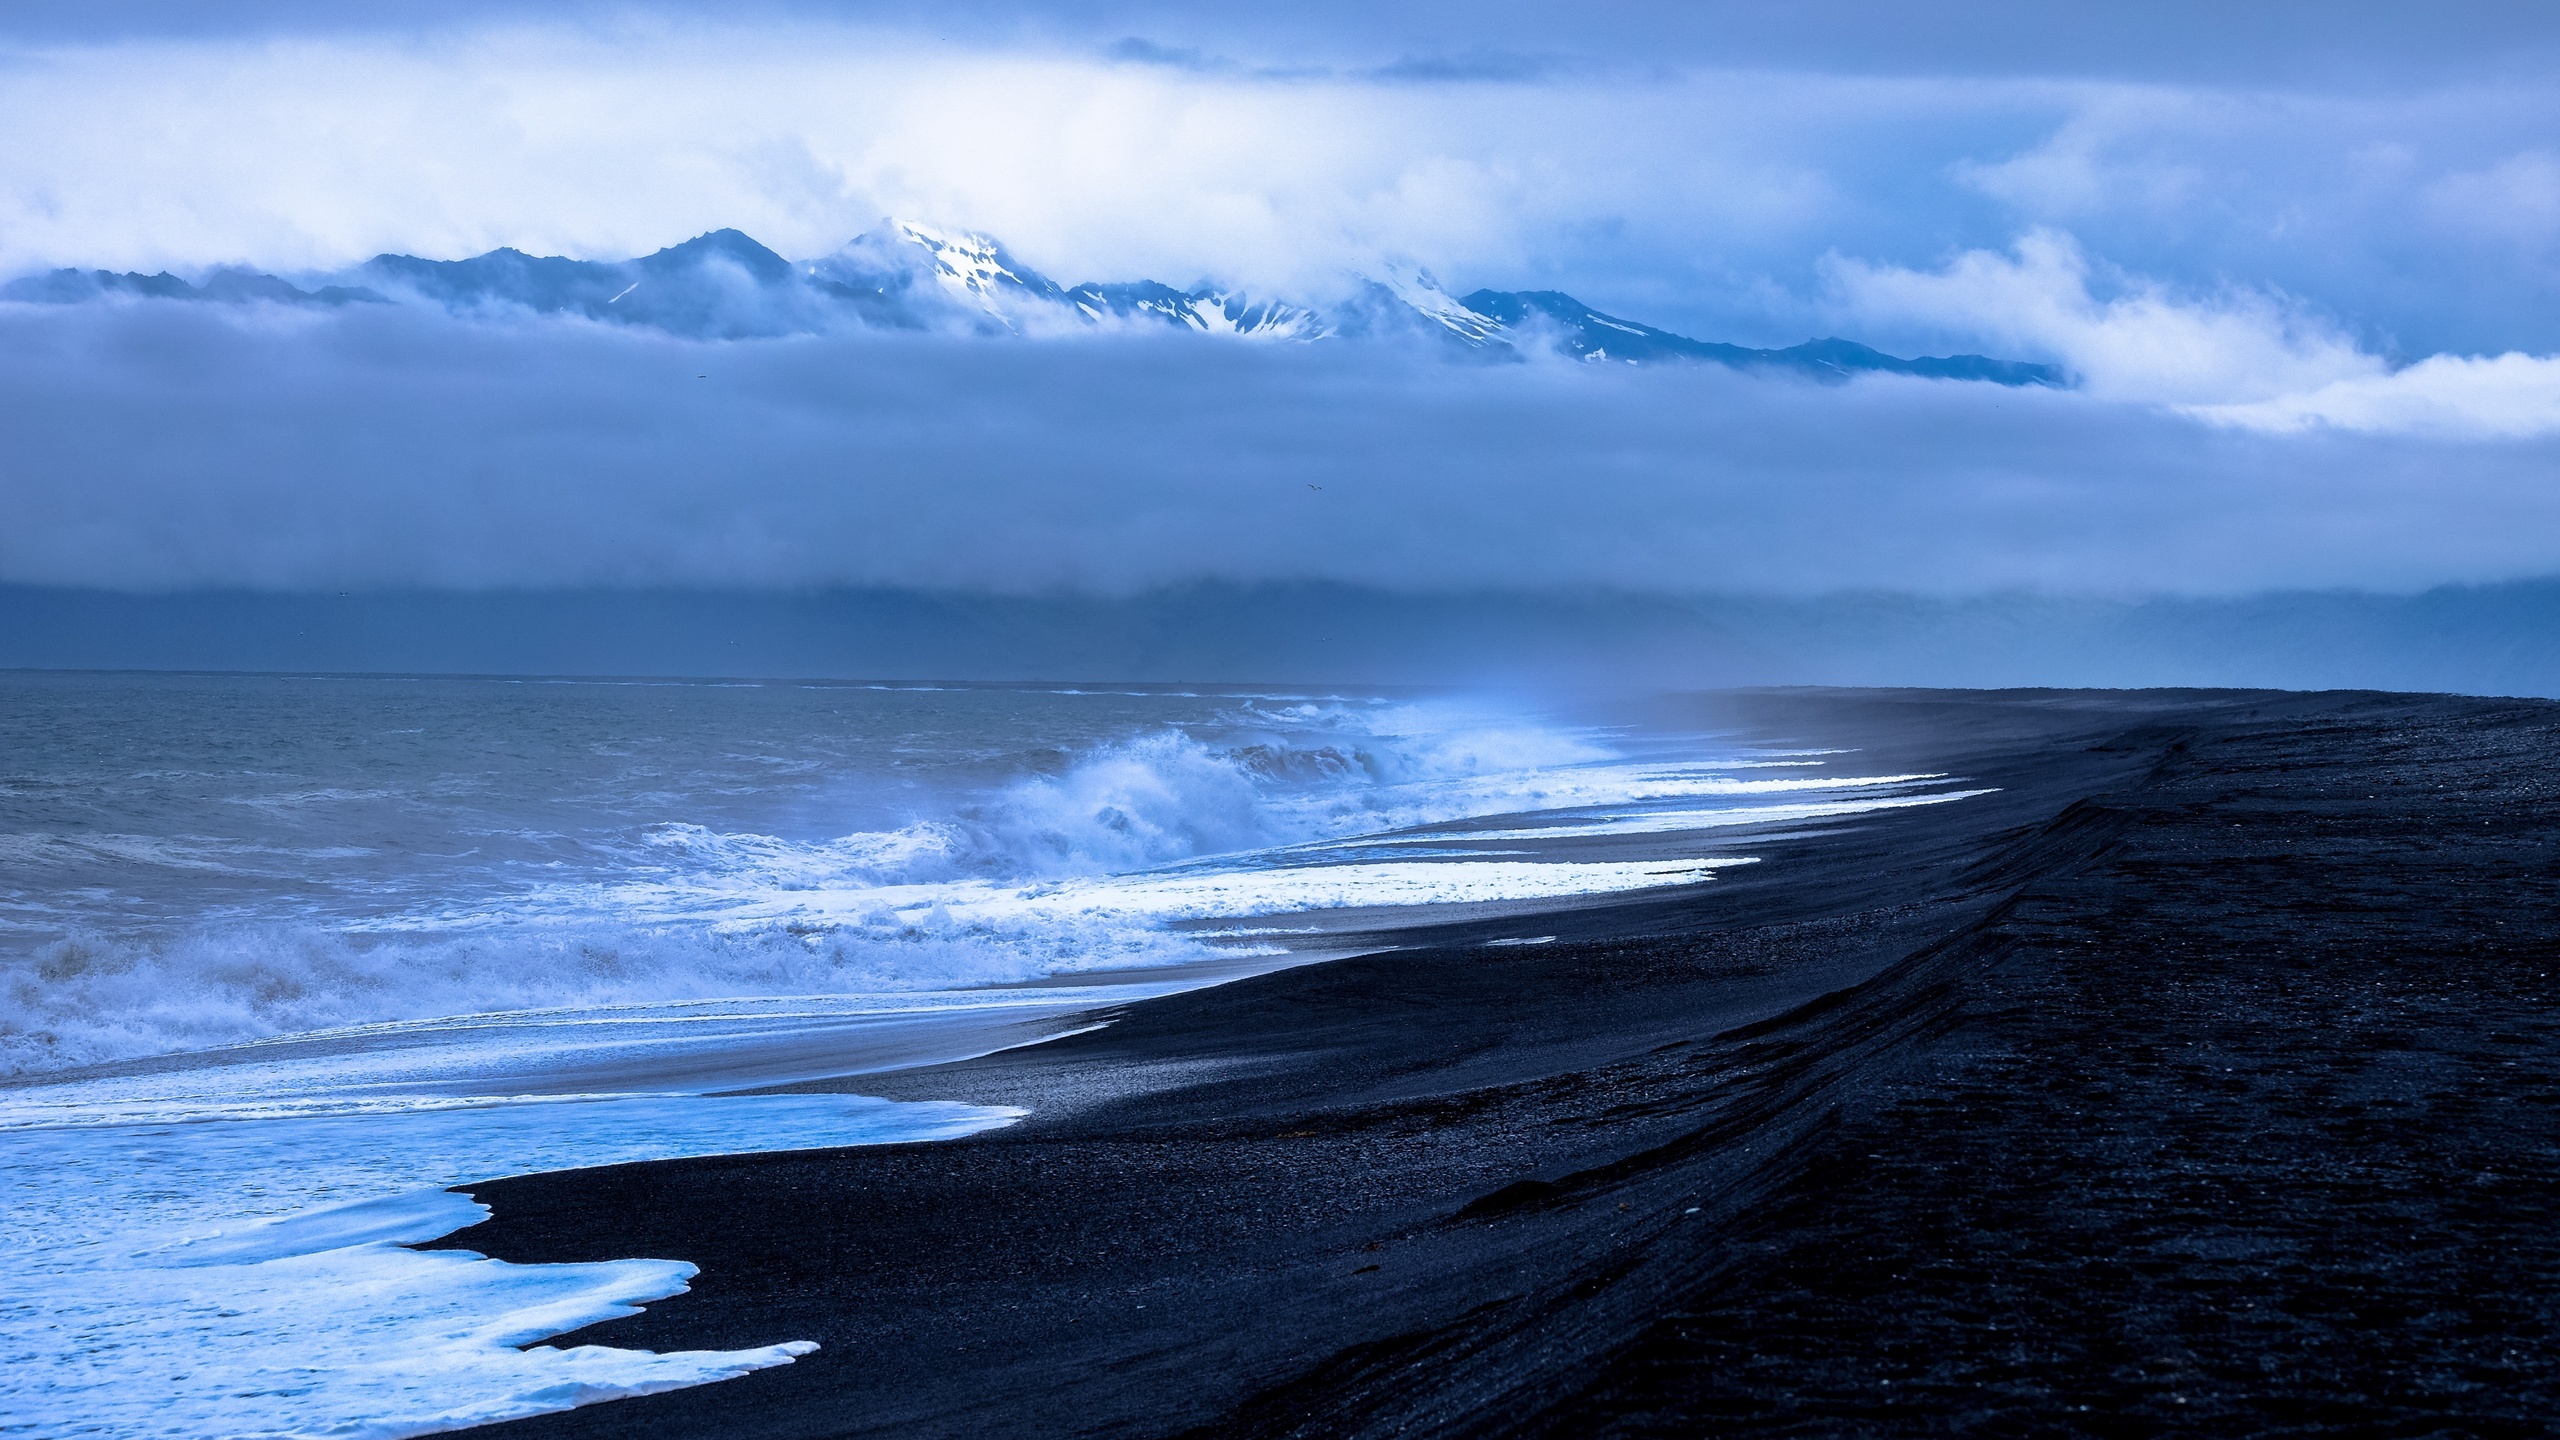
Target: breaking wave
{"type": "Point", "coordinates": [1128, 853]}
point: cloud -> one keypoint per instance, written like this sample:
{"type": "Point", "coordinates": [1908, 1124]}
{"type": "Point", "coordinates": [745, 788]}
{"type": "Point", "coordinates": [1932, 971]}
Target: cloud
{"type": "Point", "coordinates": [2242, 358]}
{"type": "Point", "coordinates": [1640, 162]}
{"type": "Point", "coordinates": [2515, 198]}
{"type": "Point", "coordinates": [1471, 65]}
{"type": "Point", "coordinates": [2271, 44]}
{"type": "Point", "coordinates": [316, 153]}
{"type": "Point", "coordinates": [160, 446]}
{"type": "Point", "coordinates": [2239, 269]}
{"type": "Point", "coordinates": [2509, 396]}
{"type": "Point", "coordinates": [2142, 342]}
{"type": "Point", "coordinates": [1137, 50]}
{"type": "Point", "coordinates": [2417, 220]}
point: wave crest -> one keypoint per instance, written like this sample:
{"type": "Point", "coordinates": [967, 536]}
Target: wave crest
{"type": "Point", "coordinates": [1009, 883]}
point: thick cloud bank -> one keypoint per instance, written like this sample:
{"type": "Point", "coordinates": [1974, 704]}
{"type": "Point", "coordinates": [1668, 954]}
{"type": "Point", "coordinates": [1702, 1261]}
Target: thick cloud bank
{"type": "Point", "coordinates": [164, 446]}
{"type": "Point", "coordinates": [2305, 278]}
{"type": "Point", "coordinates": [1654, 161]}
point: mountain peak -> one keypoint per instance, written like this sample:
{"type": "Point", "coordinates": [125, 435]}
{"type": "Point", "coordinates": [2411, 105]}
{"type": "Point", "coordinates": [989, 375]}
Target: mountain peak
{"type": "Point", "coordinates": [913, 275]}
{"type": "Point", "coordinates": [735, 246]}
{"type": "Point", "coordinates": [1418, 288]}
{"type": "Point", "coordinates": [971, 271]}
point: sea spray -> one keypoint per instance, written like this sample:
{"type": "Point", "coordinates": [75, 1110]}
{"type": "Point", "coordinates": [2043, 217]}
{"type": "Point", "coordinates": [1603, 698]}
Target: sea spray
{"type": "Point", "coordinates": [351, 852]}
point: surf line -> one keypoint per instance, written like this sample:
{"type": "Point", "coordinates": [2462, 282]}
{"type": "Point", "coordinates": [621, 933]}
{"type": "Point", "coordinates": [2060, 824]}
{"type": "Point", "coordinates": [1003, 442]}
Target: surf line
{"type": "Point", "coordinates": [255, 1276]}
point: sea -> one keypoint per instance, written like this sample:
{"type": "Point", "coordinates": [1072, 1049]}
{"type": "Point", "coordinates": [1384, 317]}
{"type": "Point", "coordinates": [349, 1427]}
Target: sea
{"type": "Point", "coordinates": [283, 957]}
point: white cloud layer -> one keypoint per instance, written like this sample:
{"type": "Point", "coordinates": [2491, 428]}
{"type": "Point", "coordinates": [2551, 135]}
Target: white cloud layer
{"type": "Point", "coordinates": [318, 154]}
{"type": "Point", "coordinates": [2141, 343]}
{"type": "Point", "coordinates": [2455, 396]}
{"type": "Point", "coordinates": [2419, 218]}
{"type": "Point", "coordinates": [2244, 358]}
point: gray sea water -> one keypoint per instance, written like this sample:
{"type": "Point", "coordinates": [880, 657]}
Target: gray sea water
{"type": "Point", "coordinates": [282, 956]}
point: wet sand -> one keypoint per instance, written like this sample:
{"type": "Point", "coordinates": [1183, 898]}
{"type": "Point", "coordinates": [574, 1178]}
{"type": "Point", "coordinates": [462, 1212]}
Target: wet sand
{"type": "Point", "coordinates": [2203, 1080]}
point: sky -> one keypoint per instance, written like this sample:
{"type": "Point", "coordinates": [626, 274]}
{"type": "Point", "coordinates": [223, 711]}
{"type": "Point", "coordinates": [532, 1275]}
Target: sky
{"type": "Point", "coordinates": [2303, 263]}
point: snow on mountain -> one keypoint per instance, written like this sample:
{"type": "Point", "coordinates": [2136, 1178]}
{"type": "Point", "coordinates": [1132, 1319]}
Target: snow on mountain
{"type": "Point", "coordinates": [975, 265]}
{"type": "Point", "coordinates": [960, 273]}
{"type": "Point", "coordinates": [1221, 313]}
{"type": "Point", "coordinates": [1416, 288]}
{"type": "Point", "coordinates": [1208, 310]}
{"type": "Point", "coordinates": [903, 275]}
{"type": "Point", "coordinates": [914, 276]}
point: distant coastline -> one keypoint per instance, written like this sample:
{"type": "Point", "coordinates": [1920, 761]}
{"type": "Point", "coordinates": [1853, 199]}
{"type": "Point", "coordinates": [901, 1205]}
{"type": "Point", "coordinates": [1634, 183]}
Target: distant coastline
{"type": "Point", "coordinates": [2483, 640]}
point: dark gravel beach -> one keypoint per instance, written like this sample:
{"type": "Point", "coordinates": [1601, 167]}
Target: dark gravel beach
{"type": "Point", "coordinates": [2203, 1080]}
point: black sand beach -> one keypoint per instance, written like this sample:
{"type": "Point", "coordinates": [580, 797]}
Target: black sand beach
{"type": "Point", "coordinates": [2203, 1080]}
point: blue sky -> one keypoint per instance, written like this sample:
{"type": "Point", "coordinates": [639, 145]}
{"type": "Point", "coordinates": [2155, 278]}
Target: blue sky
{"type": "Point", "coordinates": [2305, 260]}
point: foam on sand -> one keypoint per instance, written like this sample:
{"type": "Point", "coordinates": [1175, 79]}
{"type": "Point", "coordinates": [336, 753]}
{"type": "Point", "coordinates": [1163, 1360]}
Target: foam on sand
{"type": "Point", "coordinates": [249, 1278]}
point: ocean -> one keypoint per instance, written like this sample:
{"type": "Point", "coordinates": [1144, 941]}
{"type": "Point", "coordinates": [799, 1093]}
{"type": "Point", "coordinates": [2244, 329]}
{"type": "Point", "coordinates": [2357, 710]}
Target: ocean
{"type": "Point", "coordinates": [281, 957]}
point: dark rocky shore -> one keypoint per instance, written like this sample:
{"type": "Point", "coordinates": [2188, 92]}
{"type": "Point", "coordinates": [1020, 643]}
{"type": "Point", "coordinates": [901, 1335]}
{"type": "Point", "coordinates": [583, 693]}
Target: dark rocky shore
{"type": "Point", "coordinates": [2204, 1080]}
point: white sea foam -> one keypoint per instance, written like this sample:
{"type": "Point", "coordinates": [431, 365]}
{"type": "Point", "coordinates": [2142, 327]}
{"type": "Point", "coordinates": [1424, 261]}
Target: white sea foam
{"type": "Point", "coordinates": [1671, 822]}
{"type": "Point", "coordinates": [571, 1052]}
{"type": "Point", "coordinates": [232, 1279]}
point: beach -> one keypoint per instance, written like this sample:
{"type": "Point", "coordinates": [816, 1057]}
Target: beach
{"type": "Point", "coordinates": [272, 986]}
{"type": "Point", "coordinates": [1211, 723]}
{"type": "Point", "coordinates": [2200, 1080]}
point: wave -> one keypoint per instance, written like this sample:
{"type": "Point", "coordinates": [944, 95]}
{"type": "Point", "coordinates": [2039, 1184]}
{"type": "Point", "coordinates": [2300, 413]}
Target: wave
{"type": "Point", "coordinates": [1275, 775]}
{"type": "Point", "coordinates": [1303, 774]}
{"type": "Point", "coordinates": [1125, 855]}
{"type": "Point", "coordinates": [85, 999]}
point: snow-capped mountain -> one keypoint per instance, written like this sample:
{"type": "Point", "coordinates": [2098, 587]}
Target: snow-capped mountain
{"type": "Point", "coordinates": [908, 276]}
{"type": "Point", "coordinates": [1416, 289]}
{"type": "Point", "coordinates": [1208, 310]}
{"type": "Point", "coordinates": [904, 273]}
{"type": "Point", "coordinates": [921, 270]}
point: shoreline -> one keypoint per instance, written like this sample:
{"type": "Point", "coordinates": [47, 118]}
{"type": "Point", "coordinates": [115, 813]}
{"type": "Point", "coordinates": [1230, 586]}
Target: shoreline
{"type": "Point", "coordinates": [1851, 1139]}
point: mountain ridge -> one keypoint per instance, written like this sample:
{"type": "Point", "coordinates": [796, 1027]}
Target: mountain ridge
{"type": "Point", "coordinates": [903, 275]}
